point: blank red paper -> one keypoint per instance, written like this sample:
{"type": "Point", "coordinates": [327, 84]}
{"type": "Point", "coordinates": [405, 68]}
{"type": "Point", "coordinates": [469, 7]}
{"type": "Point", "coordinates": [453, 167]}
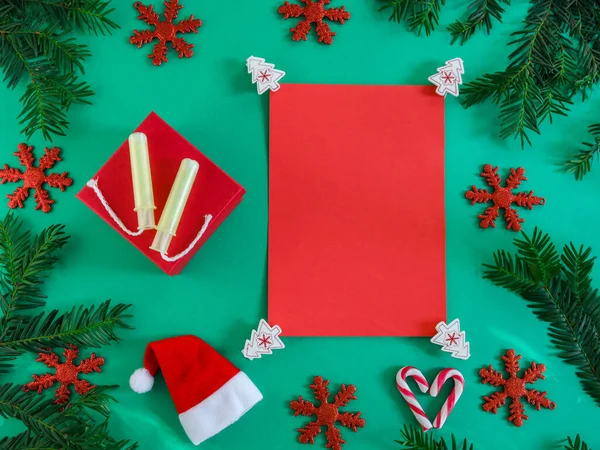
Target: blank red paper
{"type": "Point", "coordinates": [356, 210]}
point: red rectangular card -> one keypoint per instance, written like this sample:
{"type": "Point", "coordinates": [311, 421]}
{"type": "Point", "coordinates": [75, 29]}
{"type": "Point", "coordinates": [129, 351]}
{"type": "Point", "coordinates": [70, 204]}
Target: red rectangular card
{"type": "Point", "coordinates": [214, 192]}
{"type": "Point", "coordinates": [356, 210]}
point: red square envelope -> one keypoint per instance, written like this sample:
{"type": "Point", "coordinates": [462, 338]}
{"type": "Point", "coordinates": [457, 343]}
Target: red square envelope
{"type": "Point", "coordinates": [214, 192]}
{"type": "Point", "coordinates": [356, 210]}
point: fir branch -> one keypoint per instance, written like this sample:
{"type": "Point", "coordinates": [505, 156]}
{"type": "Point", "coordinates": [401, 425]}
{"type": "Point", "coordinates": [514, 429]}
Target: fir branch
{"type": "Point", "coordinates": [419, 14]}
{"type": "Point", "coordinates": [576, 444]}
{"type": "Point", "coordinates": [84, 15]}
{"type": "Point", "coordinates": [52, 426]}
{"type": "Point", "coordinates": [413, 438]}
{"type": "Point", "coordinates": [83, 327]}
{"type": "Point", "coordinates": [483, 13]}
{"type": "Point", "coordinates": [559, 292]}
{"type": "Point", "coordinates": [24, 264]}
{"type": "Point", "coordinates": [581, 164]}
{"type": "Point", "coordinates": [35, 43]}
{"type": "Point", "coordinates": [46, 102]}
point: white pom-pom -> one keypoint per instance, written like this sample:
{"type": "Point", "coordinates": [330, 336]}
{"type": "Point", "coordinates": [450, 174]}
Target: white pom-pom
{"type": "Point", "coordinates": [141, 381]}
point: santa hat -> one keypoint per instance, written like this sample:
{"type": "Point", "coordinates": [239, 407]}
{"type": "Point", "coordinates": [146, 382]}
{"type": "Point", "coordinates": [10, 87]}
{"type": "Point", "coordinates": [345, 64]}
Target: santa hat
{"type": "Point", "coordinates": [209, 392]}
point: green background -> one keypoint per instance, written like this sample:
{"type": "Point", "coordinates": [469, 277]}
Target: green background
{"type": "Point", "coordinates": [221, 294]}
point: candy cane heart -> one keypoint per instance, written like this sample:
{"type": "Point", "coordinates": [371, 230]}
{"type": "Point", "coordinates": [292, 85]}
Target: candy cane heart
{"type": "Point", "coordinates": [410, 398]}
{"type": "Point", "coordinates": [436, 386]}
{"type": "Point", "coordinates": [440, 379]}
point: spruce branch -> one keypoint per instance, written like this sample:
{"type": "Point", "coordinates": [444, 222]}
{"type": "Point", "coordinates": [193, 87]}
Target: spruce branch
{"type": "Point", "coordinates": [51, 426]}
{"type": "Point", "coordinates": [24, 264]}
{"type": "Point", "coordinates": [36, 44]}
{"type": "Point", "coordinates": [576, 444]}
{"type": "Point", "coordinates": [420, 15]}
{"type": "Point", "coordinates": [558, 289]}
{"type": "Point", "coordinates": [84, 15]}
{"type": "Point", "coordinates": [581, 164]}
{"type": "Point", "coordinates": [556, 56]}
{"type": "Point", "coordinates": [413, 438]}
{"type": "Point", "coordinates": [483, 11]}
{"type": "Point", "coordinates": [83, 327]}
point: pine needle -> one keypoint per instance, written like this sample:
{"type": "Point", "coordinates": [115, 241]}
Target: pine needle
{"type": "Point", "coordinates": [558, 289]}
{"type": "Point", "coordinates": [556, 55]}
{"type": "Point", "coordinates": [413, 438]}
{"type": "Point", "coordinates": [576, 444]}
{"type": "Point", "coordinates": [36, 44]}
{"type": "Point", "coordinates": [581, 164]}
{"type": "Point", "coordinates": [483, 11]}
{"type": "Point", "coordinates": [25, 262]}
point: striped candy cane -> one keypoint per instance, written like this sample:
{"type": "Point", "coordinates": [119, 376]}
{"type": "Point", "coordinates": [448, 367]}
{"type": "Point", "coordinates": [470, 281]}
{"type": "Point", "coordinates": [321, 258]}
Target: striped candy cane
{"type": "Point", "coordinates": [410, 398]}
{"type": "Point", "coordinates": [436, 386]}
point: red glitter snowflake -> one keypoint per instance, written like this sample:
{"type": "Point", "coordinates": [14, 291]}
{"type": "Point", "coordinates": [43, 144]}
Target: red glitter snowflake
{"type": "Point", "coordinates": [165, 31]}
{"type": "Point", "coordinates": [327, 414]}
{"type": "Point", "coordinates": [66, 374]}
{"type": "Point", "coordinates": [514, 388]}
{"type": "Point", "coordinates": [313, 12]}
{"type": "Point", "coordinates": [34, 178]}
{"type": "Point", "coordinates": [503, 197]}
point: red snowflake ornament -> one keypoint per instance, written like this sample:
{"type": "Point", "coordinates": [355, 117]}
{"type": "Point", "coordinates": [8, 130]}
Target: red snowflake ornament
{"type": "Point", "coordinates": [327, 414]}
{"type": "Point", "coordinates": [165, 31]}
{"type": "Point", "coordinates": [34, 178]}
{"type": "Point", "coordinates": [514, 388]}
{"type": "Point", "coordinates": [314, 12]}
{"type": "Point", "coordinates": [66, 374]}
{"type": "Point", "coordinates": [503, 197]}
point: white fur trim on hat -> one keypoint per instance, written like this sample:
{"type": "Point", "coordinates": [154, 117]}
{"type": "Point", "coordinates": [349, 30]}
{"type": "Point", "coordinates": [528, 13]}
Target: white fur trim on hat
{"type": "Point", "coordinates": [224, 407]}
{"type": "Point", "coordinates": [141, 381]}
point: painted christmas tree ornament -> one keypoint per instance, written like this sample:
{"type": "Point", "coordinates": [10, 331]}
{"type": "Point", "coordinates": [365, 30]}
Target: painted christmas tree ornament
{"type": "Point", "coordinates": [143, 194]}
{"type": "Point", "coordinates": [178, 197]}
{"type": "Point", "coordinates": [264, 74]}
{"type": "Point", "coordinates": [448, 78]}
{"type": "Point", "coordinates": [34, 178]}
{"type": "Point", "coordinates": [263, 341]}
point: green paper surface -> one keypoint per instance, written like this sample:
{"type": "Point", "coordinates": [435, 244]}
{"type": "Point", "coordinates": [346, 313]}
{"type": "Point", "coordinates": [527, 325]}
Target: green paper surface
{"type": "Point", "coordinates": [221, 294]}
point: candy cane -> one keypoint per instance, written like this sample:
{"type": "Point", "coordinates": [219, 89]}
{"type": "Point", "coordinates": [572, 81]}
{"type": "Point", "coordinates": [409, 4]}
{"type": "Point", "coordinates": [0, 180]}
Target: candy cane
{"type": "Point", "coordinates": [436, 386]}
{"type": "Point", "coordinates": [410, 398]}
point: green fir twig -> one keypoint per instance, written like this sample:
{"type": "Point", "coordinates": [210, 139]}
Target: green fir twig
{"type": "Point", "coordinates": [576, 444]}
{"type": "Point", "coordinates": [413, 438]}
{"type": "Point", "coordinates": [36, 44]}
{"type": "Point", "coordinates": [581, 164]}
{"type": "Point", "coordinates": [556, 56]}
{"type": "Point", "coordinates": [558, 289]}
{"type": "Point", "coordinates": [483, 12]}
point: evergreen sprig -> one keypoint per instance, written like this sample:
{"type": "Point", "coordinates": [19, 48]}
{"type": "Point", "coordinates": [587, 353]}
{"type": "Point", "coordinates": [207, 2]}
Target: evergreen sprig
{"type": "Point", "coordinates": [25, 261]}
{"type": "Point", "coordinates": [24, 265]}
{"type": "Point", "coordinates": [558, 289]}
{"type": "Point", "coordinates": [556, 56]}
{"type": "Point", "coordinates": [421, 15]}
{"type": "Point", "coordinates": [35, 44]}
{"type": "Point", "coordinates": [51, 426]}
{"type": "Point", "coordinates": [483, 11]}
{"type": "Point", "coordinates": [413, 438]}
{"type": "Point", "coordinates": [576, 444]}
{"type": "Point", "coordinates": [581, 164]}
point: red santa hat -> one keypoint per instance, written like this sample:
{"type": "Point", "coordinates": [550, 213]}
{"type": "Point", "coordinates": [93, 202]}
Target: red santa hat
{"type": "Point", "coordinates": [209, 392]}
